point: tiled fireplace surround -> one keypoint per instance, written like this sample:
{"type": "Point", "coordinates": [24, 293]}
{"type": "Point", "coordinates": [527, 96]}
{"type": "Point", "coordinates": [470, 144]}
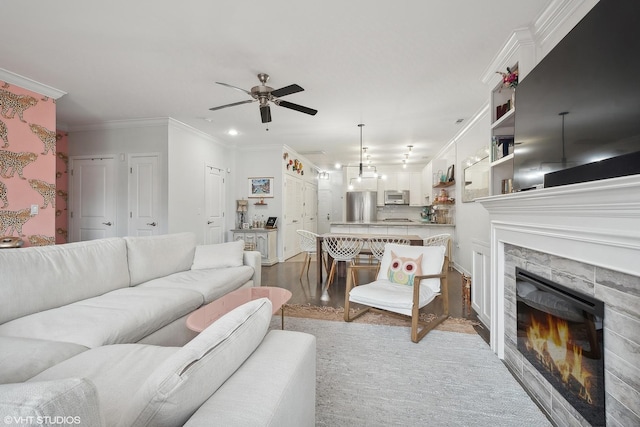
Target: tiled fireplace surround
{"type": "Point", "coordinates": [586, 237]}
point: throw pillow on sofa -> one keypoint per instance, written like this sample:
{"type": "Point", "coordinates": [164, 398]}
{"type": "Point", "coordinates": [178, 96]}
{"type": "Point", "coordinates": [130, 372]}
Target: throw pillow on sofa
{"type": "Point", "coordinates": [180, 385]}
{"type": "Point", "coordinates": [221, 255]}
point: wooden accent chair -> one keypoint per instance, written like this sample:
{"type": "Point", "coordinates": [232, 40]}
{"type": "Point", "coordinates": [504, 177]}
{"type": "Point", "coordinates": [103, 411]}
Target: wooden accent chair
{"type": "Point", "coordinates": [409, 278]}
{"type": "Point", "coordinates": [308, 245]}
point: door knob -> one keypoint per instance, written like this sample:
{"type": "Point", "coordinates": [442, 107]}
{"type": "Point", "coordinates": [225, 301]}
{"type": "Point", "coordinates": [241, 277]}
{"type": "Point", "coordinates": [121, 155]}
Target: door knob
{"type": "Point", "coordinates": [209, 222]}
{"type": "Point", "coordinates": [107, 223]}
{"type": "Point", "coordinates": [153, 224]}
{"type": "Point", "coordinates": [328, 218]}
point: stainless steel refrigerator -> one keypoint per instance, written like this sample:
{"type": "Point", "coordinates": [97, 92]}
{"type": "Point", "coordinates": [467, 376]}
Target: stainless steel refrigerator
{"type": "Point", "coordinates": [361, 206]}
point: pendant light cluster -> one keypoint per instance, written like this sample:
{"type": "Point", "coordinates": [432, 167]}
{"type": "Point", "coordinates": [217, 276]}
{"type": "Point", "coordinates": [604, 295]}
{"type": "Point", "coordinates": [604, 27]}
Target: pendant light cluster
{"type": "Point", "coordinates": [361, 125]}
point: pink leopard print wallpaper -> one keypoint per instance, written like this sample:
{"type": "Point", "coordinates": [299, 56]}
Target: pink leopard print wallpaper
{"type": "Point", "coordinates": [27, 165]}
{"type": "Point", "coordinates": [62, 186]}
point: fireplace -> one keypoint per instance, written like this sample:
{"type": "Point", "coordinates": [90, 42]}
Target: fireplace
{"type": "Point", "coordinates": [560, 332]}
{"type": "Point", "coordinates": [585, 237]}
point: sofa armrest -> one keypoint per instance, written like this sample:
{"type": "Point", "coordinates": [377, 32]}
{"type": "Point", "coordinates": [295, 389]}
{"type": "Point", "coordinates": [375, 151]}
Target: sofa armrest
{"type": "Point", "coordinates": [275, 386]}
{"type": "Point", "coordinates": [71, 401]}
{"type": "Point", "coordinates": [254, 259]}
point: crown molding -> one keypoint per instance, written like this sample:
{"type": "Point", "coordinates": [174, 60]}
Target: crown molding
{"type": "Point", "coordinates": [32, 85]}
{"type": "Point", "coordinates": [554, 20]}
{"type": "Point", "coordinates": [176, 124]}
{"type": "Point", "coordinates": [507, 56]}
{"type": "Point", "coordinates": [122, 124]}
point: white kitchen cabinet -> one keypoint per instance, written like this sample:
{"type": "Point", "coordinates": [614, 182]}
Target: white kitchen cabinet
{"type": "Point", "coordinates": [416, 195]}
{"type": "Point", "coordinates": [262, 240]}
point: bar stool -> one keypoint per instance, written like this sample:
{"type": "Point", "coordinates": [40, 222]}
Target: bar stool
{"type": "Point", "coordinates": [341, 248]}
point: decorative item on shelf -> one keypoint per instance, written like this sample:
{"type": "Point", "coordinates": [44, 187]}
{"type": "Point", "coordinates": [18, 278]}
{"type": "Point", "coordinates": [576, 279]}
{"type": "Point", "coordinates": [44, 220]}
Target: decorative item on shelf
{"type": "Point", "coordinates": [450, 173]}
{"type": "Point", "coordinates": [441, 176]}
{"type": "Point", "coordinates": [260, 187]}
{"type": "Point", "coordinates": [271, 223]}
{"type": "Point", "coordinates": [506, 142]}
{"type": "Point", "coordinates": [261, 202]}
{"type": "Point", "coordinates": [241, 209]}
{"type": "Point", "coordinates": [510, 78]}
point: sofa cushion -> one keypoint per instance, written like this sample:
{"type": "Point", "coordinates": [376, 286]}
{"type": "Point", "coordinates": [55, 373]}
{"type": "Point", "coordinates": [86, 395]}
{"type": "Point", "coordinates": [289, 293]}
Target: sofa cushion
{"type": "Point", "coordinates": [121, 316]}
{"type": "Point", "coordinates": [157, 256]}
{"type": "Point", "coordinates": [211, 283]}
{"type": "Point", "coordinates": [117, 371]}
{"type": "Point", "coordinates": [34, 279]}
{"type": "Point", "coordinates": [22, 358]}
{"type": "Point", "coordinates": [188, 378]}
{"type": "Point", "coordinates": [218, 256]}
{"type": "Point", "coordinates": [69, 401]}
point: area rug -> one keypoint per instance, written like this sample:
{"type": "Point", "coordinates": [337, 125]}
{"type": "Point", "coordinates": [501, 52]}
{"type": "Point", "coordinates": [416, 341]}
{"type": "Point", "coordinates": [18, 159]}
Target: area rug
{"type": "Point", "coordinates": [309, 311]}
{"type": "Point", "coordinates": [372, 375]}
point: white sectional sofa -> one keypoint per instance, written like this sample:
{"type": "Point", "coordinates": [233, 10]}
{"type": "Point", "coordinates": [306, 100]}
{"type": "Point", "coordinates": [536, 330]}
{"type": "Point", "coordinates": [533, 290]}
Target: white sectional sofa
{"type": "Point", "coordinates": [96, 330]}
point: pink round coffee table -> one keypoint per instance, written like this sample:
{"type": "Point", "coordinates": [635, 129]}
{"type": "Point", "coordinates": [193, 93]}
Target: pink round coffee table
{"type": "Point", "coordinates": [207, 314]}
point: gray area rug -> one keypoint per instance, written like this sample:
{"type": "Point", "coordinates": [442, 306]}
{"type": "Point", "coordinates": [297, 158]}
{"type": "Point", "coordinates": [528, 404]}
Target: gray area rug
{"type": "Point", "coordinates": [373, 375]}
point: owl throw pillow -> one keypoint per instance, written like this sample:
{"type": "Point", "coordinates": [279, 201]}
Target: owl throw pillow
{"type": "Point", "coordinates": [402, 270]}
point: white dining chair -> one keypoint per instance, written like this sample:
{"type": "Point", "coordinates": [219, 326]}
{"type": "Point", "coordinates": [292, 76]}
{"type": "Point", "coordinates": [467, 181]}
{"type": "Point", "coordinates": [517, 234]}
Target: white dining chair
{"type": "Point", "coordinates": [342, 248]}
{"type": "Point", "coordinates": [308, 243]}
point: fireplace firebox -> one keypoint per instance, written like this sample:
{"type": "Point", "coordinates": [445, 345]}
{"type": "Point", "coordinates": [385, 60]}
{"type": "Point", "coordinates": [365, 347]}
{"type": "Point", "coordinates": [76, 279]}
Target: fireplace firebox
{"type": "Point", "coordinates": [560, 334]}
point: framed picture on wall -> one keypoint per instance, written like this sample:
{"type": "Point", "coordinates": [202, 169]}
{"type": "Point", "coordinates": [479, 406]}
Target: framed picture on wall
{"type": "Point", "coordinates": [261, 187]}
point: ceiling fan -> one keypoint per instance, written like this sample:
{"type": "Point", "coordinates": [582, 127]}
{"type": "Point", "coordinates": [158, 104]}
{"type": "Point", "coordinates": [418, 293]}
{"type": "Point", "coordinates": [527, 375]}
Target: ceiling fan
{"type": "Point", "coordinates": [265, 94]}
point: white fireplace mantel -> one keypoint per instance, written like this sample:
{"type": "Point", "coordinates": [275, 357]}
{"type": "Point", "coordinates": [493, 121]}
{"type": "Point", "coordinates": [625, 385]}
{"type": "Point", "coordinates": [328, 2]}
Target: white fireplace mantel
{"type": "Point", "coordinates": [596, 223]}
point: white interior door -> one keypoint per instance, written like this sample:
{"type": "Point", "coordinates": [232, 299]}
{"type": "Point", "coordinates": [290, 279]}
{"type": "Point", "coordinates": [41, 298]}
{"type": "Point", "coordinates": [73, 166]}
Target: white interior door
{"type": "Point", "coordinates": [214, 211]}
{"type": "Point", "coordinates": [144, 195]}
{"type": "Point", "coordinates": [92, 199]}
{"type": "Point", "coordinates": [294, 200]}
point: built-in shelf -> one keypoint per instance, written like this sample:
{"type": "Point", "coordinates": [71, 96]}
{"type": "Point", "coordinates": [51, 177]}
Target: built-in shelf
{"type": "Point", "coordinates": [447, 204]}
{"type": "Point", "coordinates": [260, 204]}
{"type": "Point", "coordinates": [444, 184]}
{"type": "Point", "coordinates": [507, 120]}
{"type": "Point", "coordinates": [502, 160]}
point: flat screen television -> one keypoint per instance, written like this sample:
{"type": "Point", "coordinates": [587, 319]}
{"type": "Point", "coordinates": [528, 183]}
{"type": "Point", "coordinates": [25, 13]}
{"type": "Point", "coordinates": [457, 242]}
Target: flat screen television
{"type": "Point", "coordinates": [581, 103]}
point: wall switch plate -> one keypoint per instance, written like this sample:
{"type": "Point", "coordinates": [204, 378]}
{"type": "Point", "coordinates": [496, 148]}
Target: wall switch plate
{"type": "Point", "coordinates": [34, 210]}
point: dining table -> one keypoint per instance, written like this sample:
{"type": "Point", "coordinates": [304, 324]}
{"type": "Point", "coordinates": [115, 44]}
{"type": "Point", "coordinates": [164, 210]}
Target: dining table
{"type": "Point", "coordinates": [413, 239]}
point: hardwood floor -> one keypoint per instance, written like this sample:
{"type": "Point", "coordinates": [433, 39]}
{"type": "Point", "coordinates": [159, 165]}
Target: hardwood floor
{"type": "Point", "coordinates": [305, 290]}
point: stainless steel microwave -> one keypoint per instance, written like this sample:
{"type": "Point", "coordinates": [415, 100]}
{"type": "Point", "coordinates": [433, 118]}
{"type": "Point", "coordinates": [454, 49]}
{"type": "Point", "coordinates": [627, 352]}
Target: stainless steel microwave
{"type": "Point", "coordinates": [396, 197]}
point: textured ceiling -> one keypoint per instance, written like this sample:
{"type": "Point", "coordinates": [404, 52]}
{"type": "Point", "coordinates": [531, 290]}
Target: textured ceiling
{"type": "Point", "coordinates": [406, 69]}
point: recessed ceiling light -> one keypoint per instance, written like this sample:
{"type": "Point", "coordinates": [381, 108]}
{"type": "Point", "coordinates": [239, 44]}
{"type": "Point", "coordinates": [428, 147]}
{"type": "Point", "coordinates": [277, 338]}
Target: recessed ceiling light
{"type": "Point", "coordinates": [232, 132]}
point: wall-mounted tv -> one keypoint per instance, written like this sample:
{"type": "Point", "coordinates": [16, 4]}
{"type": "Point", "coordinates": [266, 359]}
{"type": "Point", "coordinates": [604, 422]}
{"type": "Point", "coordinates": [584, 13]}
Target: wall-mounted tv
{"type": "Point", "coordinates": [581, 103]}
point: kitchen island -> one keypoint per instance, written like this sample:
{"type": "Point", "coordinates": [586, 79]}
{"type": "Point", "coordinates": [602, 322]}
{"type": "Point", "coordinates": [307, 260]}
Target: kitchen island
{"type": "Point", "coordinates": [413, 227]}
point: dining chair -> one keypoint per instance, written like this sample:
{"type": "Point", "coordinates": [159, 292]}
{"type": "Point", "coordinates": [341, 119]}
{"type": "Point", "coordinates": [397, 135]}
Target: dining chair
{"type": "Point", "coordinates": [376, 246]}
{"type": "Point", "coordinates": [342, 248]}
{"type": "Point", "coordinates": [308, 244]}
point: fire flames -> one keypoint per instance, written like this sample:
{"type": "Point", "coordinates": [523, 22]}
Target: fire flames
{"type": "Point", "coordinates": [553, 348]}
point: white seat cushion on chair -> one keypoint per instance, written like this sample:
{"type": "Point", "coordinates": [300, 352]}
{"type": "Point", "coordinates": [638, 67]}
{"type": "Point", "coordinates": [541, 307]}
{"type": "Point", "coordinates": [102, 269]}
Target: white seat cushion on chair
{"type": "Point", "coordinates": [390, 296]}
{"type": "Point", "coordinates": [432, 260]}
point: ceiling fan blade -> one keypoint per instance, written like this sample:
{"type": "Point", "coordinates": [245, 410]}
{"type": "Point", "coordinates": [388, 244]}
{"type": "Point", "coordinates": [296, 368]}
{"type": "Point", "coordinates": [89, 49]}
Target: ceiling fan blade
{"type": "Point", "coordinates": [297, 107]}
{"type": "Point", "coordinates": [232, 105]}
{"type": "Point", "coordinates": [236, 88]}
{"type": "Point", "coordinates": [287, 90]}
{"type": "Point", "coordinates": [265, 113]}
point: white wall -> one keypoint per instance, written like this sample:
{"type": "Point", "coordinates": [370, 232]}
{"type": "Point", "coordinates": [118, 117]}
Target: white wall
{"type": "Point", "coordinates": [189, 151]}
{"type": "Point", "coordinates": [123, 139]}
{"type": "Point", "coordinates": [472, 220]}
